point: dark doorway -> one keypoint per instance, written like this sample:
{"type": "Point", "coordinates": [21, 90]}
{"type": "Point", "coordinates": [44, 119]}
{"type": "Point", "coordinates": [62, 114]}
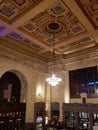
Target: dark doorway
{"type": "Point", "coordinates": [10, 87]}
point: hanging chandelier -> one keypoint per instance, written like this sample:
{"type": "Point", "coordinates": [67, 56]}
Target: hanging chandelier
{"type": "Point", "coordinates": [53, 80]}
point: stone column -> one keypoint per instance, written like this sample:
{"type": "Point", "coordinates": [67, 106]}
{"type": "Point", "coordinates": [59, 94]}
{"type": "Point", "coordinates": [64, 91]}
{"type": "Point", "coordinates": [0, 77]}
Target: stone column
{"type": "Point", "coordinates": [48, 99]}
{"type": "Point", "coordinates": [67, 87]}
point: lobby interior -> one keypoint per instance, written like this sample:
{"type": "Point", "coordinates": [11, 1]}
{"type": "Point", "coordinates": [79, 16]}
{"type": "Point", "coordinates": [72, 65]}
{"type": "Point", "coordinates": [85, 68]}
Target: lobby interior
{"type": "Point", "coordinates": [26, 54]}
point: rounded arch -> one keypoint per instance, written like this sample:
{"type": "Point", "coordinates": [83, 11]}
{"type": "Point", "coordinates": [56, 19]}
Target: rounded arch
{"type": "Point", "coordinates": [23, 83]}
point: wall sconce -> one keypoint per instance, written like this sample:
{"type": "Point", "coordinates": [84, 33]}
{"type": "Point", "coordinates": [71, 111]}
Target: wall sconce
{"type": "Point", "coordinates": [39, 92]}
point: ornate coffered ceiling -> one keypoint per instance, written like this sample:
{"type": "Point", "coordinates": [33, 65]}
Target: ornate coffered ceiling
{"type": "Point", "coordinates": [25, 26]}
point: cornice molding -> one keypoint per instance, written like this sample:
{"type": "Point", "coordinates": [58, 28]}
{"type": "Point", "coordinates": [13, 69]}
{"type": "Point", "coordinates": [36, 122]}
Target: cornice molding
{"type": "Point", "coordinates": [79, 57]}
{"type": "Point", "coordinates": [20, 58]}
{"type": "Point", "coordinates": [88, 56]}
{"type": "Point", "coordinates": [42, 66]}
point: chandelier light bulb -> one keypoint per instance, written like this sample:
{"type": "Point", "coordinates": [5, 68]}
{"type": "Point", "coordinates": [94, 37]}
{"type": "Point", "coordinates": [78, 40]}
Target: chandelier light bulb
{"type": "Point", "coordinates": [53, 80]}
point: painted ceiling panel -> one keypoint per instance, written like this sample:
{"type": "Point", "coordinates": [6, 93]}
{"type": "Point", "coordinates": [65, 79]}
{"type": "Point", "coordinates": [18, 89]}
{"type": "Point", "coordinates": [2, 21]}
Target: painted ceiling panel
{"type": "Point", "coordinates": [18, 37]}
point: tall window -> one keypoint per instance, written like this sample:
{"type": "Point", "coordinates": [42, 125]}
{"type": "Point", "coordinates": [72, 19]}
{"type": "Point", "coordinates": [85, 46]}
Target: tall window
{"type": "Point", "coordinates": [84, 81]}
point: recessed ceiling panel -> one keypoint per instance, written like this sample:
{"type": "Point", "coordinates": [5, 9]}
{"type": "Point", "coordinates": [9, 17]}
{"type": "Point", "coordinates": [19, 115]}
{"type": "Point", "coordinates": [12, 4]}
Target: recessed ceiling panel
{"type": "Point", "coordinates": [10, 10]}
{"type": "Point", "coordinates": [90, 9]}
{"type": "Point", "coordinates": [38, 27]}
{"type": "Point", "coordinates": [84, 41]}
{"type": "Point", "coordinates": [19, 37]}
{"type": "Point", "coordinates": [2, 30]}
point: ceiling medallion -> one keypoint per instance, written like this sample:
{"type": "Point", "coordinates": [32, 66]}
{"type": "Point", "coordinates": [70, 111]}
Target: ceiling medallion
{"type": "Point", "coordinates": [53, 27]}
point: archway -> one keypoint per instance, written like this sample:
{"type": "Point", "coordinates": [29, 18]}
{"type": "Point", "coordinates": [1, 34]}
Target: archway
{"type": "Point", "coordinates": [13, 86]}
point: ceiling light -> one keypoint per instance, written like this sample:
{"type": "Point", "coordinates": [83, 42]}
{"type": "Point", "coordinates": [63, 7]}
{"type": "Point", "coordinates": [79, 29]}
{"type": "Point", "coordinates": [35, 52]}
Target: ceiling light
{"type": "Point", "coordinates": [53, 80]}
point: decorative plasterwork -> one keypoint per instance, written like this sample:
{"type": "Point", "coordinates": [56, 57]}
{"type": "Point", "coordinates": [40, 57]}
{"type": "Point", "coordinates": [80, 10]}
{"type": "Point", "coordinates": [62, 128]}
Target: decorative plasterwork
{"type": "Point", "coordinates": [83, 41]}
{"type": "Point", "coordinates": [19, 37]}
{"type": "Point", "coordinates": [10, 10]}
{"type": "Point", "coordinates": [90, 9]}
{"type": "Point", "coordinates": [38, 26]}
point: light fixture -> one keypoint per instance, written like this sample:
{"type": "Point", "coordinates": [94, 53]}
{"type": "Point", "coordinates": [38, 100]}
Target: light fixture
{"type": "Point", "coordinates": [39, 91]}
{"type": "Point", "coordinates": [53, 80]}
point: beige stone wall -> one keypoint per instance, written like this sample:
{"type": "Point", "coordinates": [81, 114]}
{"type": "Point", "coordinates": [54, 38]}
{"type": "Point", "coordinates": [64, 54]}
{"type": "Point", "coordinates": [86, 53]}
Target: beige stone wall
{"type": "Point", "coordinates": [28, 77]}
{"type": "Point", "coordinates": [34, 87]}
